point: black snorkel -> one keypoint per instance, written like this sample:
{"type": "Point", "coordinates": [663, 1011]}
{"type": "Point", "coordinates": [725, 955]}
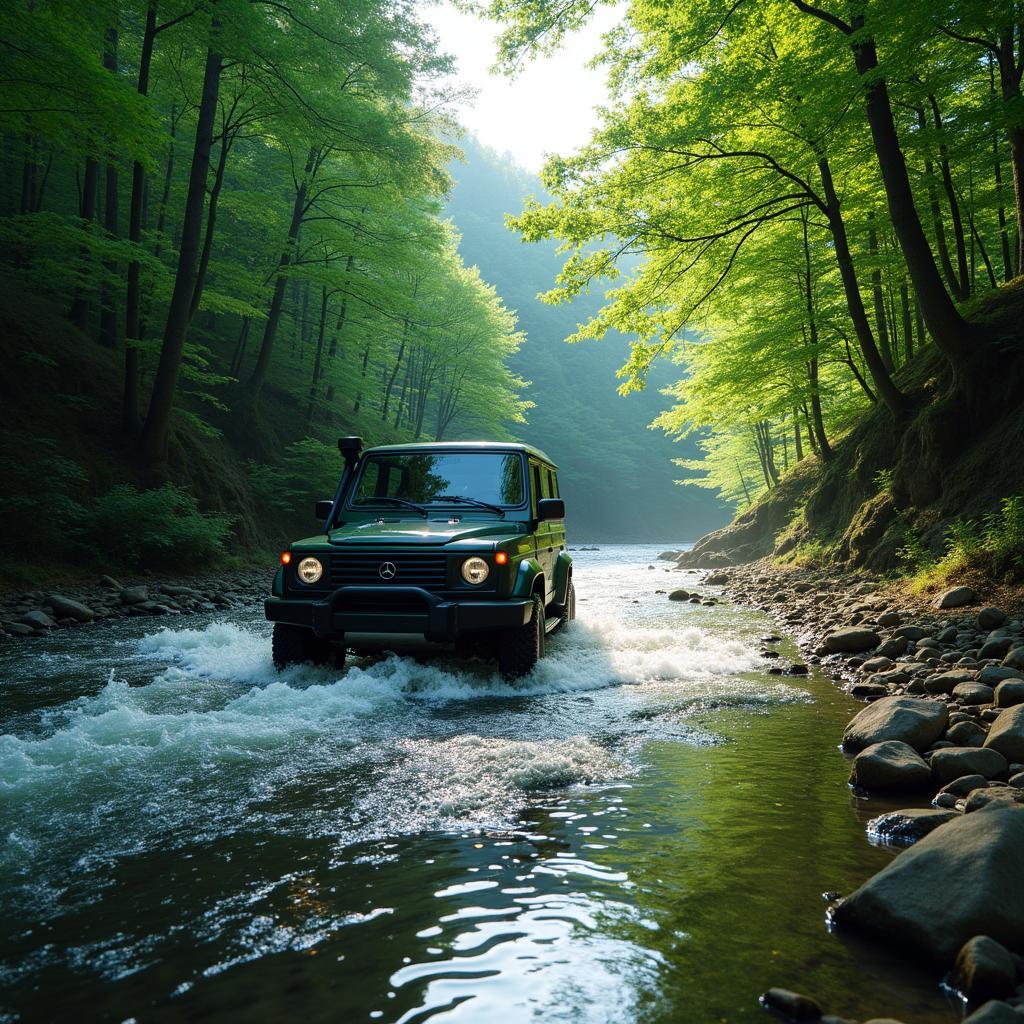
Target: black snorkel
{"type": "Point", "coordinates": [350, 447]}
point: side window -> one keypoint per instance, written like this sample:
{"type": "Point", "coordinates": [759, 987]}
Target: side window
{"type": "Point", "coordinates": [552, 484]}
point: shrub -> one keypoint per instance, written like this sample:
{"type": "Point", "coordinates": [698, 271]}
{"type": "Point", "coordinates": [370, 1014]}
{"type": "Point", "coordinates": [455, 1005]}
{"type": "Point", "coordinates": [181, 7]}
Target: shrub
{"type": "Point", "coordinates": [160, 528]}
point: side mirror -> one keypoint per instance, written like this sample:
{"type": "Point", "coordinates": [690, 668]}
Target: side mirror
{"type": "Point", "coordinates": [550, 508]}
{"type": "Point", "coordinates": [323, 509]}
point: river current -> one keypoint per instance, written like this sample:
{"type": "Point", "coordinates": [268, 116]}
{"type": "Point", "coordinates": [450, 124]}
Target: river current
{"type": "Point", "coordinates": [641, 831]}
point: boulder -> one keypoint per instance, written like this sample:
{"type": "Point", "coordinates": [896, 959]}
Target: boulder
{"type": "Point", "coordinates": [990, 618]}
{"type": "Point", "coordinates": [911, 632]}
{"type": "Point", "coordinates": [679, 595]}
{"type": "Point", "coordinates": [852, 640]}
{"type": "Point", "coordinates": [953, 762]}
{"type": "Point", "coordinates": [890, 619]}
{"type": "Point", "coordinates": [993, 675]}
{"type": "Point", "coordinates": [966, 734]}
{"type": "Point", "coordinates": [973, 693]}
{"type": "Point", "coordinates": [916, 722]}
{"type": "Point", "coordinates": [109, 583]}
{"type": "Point", "coordinates": [876, 665]}
{"type": "Point", "coordinates": [984, 970]}
{"type": "Point", "coordinates": [18, 629]}
{"type": "Point", "coordinates": [893, 647]}
{"type": "Point", "coordinates": [965, 784]}
{"type": "Point", "coordinates": [36, 620]}
{"type": "Point", "coordinates": [908, 825]}
{"type": "Point", "coordinates": [1007, 734]}
{"type": "Point", "coordinates": [994, 1012]}
{"type": "Point", "coordinates": [791, 1006]}
{"type": "Point", "coordinates": [994, 648]}
{"type": "Point", "coordinates": [964, 879]}
{"type": "Point", "coordinates": [1014, 659]}
{"type": "Point", "coordinates": [65, 608]}
{"type": "Point", "coordinates": [957, 597]}
{"type": "Point", "coordinates": [134, 595]}
{"type": "Point", "coordinates": [890, 765]}
{"type": "Point", "coordinates": [1001, 796]}
{"type": "Point", "coordinates": [945, 681]}
{"type": "Point", "coordinates": [1009, 693]}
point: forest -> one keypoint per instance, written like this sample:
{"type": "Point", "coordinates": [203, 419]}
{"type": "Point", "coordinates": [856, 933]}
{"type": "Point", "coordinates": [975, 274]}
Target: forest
{"type": "Point", "coordinates": [223, 244]}
{"type": "Point", "coordinates": [817, 211]}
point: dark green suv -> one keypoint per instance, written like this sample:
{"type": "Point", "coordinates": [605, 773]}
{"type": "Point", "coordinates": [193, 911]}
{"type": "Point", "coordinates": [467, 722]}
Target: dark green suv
{"type": "Point", "coordinates": [451, 543]}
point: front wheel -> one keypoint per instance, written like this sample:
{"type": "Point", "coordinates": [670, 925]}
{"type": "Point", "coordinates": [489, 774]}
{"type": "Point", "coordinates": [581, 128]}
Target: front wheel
{"type": "Point", "coordinates": [520, 648]}
{"type": "Point", "coordinates": [295, 645]}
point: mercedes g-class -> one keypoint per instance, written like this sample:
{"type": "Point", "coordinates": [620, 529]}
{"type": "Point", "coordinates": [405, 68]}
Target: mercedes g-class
{"type": "Point", "coordinates": [449, 542]}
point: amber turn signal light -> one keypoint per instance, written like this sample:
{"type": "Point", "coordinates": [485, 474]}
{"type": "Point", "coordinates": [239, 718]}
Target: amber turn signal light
{"type": "Point", "coordinates": [286, 557]}
{"type": "Point", "coordinates": [501, 558]}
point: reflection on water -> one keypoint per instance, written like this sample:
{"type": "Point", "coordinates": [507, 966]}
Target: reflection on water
{"type": "Point", "coordinates": [640, 832]}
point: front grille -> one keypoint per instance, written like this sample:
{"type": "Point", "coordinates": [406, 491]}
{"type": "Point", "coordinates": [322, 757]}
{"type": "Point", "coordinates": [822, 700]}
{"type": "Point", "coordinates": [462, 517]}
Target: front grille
{"type": "Point", "coordinates": [362, 568]}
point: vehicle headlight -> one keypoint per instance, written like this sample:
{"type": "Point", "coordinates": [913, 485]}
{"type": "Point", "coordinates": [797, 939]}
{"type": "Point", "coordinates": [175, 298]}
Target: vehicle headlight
{"type": "Point", "coordinates": [310, 570]}
{"type": "Point", "coordinates": [475, 570]}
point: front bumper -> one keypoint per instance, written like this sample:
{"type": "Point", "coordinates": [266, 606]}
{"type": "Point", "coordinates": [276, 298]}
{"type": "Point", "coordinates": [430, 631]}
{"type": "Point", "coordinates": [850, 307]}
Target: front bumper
{"type": "Point", "coordinates": [397, 610]}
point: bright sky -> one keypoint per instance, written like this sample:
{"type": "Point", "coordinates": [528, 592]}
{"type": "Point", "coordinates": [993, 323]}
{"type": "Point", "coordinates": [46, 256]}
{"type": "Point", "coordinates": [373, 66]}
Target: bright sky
{"type": "Point", "coordinates": [547, 108]}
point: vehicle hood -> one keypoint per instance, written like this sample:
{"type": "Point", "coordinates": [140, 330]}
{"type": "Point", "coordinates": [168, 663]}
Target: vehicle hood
{"type": "Point", "coordinates": [427, 531]}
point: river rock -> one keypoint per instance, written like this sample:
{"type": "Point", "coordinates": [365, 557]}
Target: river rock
{"type": "Point", "coordinates": [789, 1005]}
{"type": "Point", "coordinates": [679, 595]}
{"type": "Point", "coordinates": [36, 620]}
{"type": "Point", "coordinates": [18, 629]}
{"type": "Point", "coordinates": [890, 765]}
{"type": "Point", "coordinates": [890, 619]}
{"type": "Point", "coordinates": [876, 665]}
{"type": "Point", "coordinates": [64, 608]}
{"type": "Point", "coordinates": [916, 722]}
{"type": "Point", "coordinates": [911, 632]}
{"type": "Point", "coordinates": [964, 879]}
{"type": "Point", "coordinates": [973, 693]}
{"type": "Point", "coordinates": [965, 785]}
{"type": "Point", "coordinates": [1007, 733]}
{"type": "Point", "coordinates": [944, 682]}
{"type": "Point", "coordinates": [993, 795]}
{"type": "Point", "coordinates": [1009, 693]}
{"type": "Point", "coordinates": [135, 595]}
{"type": "Point", "coordinates": [1014, 659]}
{"type": "Point", "coordinates": [990, 618]}
{"type": "Point", "coordinates": [951, 763]}
{"type": "Point", "coordinates": [966, 734]}
{"type": "Point", "coordinates": [957, 598]}
{"type": "Point", "coordinates": [984, 969]}
{"type": "Point", "coordinates": [993, 675]}
{"type": "Point", "coordinates": [908, 825]}
{"type": "Point", "coordinates": [851, 640]}
{"type": "Point", "coordinates": [893, 647]}
{"type": "Point", "coordinates": [995, 1012]}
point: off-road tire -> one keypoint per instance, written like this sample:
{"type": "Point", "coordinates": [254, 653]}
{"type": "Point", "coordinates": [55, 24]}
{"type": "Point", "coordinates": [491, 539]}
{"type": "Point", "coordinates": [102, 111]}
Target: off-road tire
{"type": "Point", "coordinates": [565, 612]}
{"type": "Point", "coordinates": [295, 645]}
{"type": "Point", "coordinates": [520, 648]}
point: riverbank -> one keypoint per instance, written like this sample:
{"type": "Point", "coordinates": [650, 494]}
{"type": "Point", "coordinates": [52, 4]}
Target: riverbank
{"type": "Point", "coordinates": [944, 682]}
{"type": "Point", "coordinates": [35, 613]}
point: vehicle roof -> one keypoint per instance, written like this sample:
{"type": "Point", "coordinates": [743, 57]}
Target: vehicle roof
{"type": "Point", "coordinates": [465, 446]}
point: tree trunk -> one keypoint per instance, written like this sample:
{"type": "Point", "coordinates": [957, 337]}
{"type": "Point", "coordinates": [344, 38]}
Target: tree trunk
{"type": "Point", "coordinates": [318, 362]}
{"type": "Point", "coordinates": [887, 390]}
{"type": "Point", "coordinates": [158, 421]}
{"type": "Point", "coordinates": [824, 448]}
{"type": "Point", "coordinates": [961, 284]}
{"type": "Point", "coordinates": [259, 373]}
{"type": "Point", "coordinates": [161, 217]}
{"type": "Point", "coordinates": [108, 300]}
{"type": "Point", "coordinates": [997, 171]}
{"type": "Point", "coordinates": [239, 354]}
{"type": "Point", "coordinates": [950, 332]}
{"type": "Point", "coordinates": [797, 440]}
{"type": "Point", "coordinates": [211, 224]}
{"type": "Point", "coordinates": [133, 293]}
{"type": "Point", "coordinates": [908, 337]}
{"type": "Point", "coordinates": [362, 377]}
{"type": "Point", "coordinates": [877, 298]}
{"type": "Point", "coordinates": [1009, 80]}
{"type": "Point", "coordinates": [79, 314]}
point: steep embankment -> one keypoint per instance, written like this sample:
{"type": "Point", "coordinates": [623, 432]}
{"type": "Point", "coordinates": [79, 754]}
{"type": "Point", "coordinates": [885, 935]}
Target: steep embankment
{"type": "Point", "coordinates": [894, 485]}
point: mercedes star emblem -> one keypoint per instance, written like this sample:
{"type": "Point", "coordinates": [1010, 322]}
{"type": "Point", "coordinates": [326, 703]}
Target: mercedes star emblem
{"type": "Point", "coordinates": [387, 570]}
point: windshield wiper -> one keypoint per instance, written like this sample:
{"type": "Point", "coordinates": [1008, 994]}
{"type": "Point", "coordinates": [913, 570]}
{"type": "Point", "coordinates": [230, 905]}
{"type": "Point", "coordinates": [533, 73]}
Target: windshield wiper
{"type": "Point", "coordinates": [459, 500]}
{"type": "Point", "coordinates": [396, 501]}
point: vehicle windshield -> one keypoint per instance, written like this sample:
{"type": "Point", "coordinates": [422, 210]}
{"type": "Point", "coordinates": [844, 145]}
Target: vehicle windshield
{"type": "Point", "coordinates": [442, 478]}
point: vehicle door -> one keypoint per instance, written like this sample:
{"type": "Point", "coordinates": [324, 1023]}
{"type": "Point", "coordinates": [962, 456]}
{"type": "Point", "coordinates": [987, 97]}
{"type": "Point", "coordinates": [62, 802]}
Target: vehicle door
{"type": "Point", "coordinates": [546, 534]}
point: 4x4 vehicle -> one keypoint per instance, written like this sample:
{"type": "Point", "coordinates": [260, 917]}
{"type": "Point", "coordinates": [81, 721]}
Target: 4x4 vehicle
{"type": "Point", "coordinates": [460, 543]}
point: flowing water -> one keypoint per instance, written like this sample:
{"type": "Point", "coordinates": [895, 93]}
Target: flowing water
{"type": "Point", "coordinates": [642, 831]}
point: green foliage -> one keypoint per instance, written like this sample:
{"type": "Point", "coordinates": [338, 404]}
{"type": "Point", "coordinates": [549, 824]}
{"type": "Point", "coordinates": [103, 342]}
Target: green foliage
{"type": "Point", "coordinates": [159, 529]}
{"type": "Point", "coordinates": [883, 480]}
{"type": "Point", "coordinates": [41, 496]}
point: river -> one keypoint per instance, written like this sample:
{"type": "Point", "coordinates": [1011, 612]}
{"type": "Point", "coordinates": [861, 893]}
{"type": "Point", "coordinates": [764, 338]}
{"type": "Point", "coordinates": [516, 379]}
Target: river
{"type": "Point", "coordinates": [642, 831]}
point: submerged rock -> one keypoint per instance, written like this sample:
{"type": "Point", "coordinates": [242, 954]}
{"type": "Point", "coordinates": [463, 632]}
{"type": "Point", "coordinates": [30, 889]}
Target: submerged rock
{"type": "Point", "coordinates": [994, 1012]}
{"type": "Point", "coordinates": [916, 722]}
{"type": "Point", "coordinates": [964, 879]}
{"type": "Point", "coordinates": [984, 970]}
{"type": "Point", "coordinates": [790, 1005]}
{"type": "Point", "coordinates": [908, 825]}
